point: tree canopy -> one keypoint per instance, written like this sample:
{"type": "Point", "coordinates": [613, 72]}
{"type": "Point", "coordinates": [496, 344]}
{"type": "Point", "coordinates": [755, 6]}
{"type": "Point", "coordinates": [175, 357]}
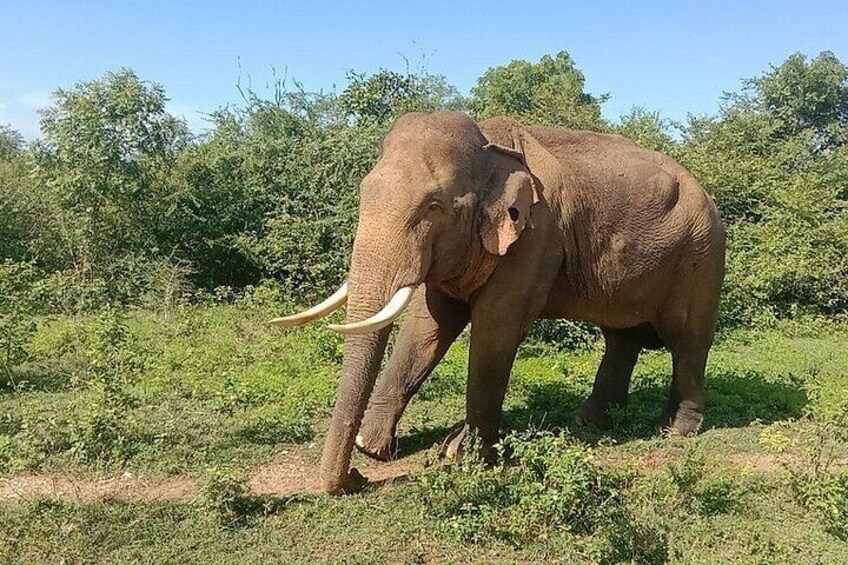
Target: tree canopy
{"type": "Point", "coordinates": [118, 196]}
{"type": "Point", "coordinates": [550, 92]}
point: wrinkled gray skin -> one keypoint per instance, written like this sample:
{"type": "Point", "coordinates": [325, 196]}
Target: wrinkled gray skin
{"type": "Point", "coordinates": [549, 223]}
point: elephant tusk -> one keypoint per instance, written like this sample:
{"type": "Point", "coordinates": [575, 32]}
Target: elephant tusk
{"type": "Point", "coordinates": [336, 300]}
{"type": "Point", "coordinates": [381, 319]}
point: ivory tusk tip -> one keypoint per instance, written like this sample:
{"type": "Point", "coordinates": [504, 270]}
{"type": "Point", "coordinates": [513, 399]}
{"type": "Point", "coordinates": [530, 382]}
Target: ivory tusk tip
{"type": "Point", "coordinates": [285, 322]}
{"type": "Point", "coordinates": [350, 329]}
{"type": "Point", "coordinates": [332, 303]}
{"type": "Point", "coordinates": [381, 319]}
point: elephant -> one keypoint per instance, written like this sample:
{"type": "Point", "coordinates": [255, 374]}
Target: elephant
{"type": "Point", "coordinates": [498, 224]}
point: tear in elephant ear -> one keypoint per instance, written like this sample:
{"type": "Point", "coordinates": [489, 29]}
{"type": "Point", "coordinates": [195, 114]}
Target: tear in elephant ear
{"type": "Point", "coordinates": [506, 216]}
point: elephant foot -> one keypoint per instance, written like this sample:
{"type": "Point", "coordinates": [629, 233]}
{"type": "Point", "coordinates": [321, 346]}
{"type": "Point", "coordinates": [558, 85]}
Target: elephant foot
{"type": "Point", "coordinates": [595, 414]}
{"type": "Point", "coordinates": [376, 439]}
{"type": "Point", "coordinates": [454, 446]}
{"type": "Point", "coordinates": [352, 483]}
{"type": "Point", "coordinates": [686, 421]}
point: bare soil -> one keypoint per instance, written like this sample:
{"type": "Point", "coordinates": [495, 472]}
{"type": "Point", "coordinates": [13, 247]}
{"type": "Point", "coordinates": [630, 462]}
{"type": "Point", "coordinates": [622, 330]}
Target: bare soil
{"type": "Point", "coordinates": [292, 472]}
{"type": "Point", "coordinates": [289, 473]}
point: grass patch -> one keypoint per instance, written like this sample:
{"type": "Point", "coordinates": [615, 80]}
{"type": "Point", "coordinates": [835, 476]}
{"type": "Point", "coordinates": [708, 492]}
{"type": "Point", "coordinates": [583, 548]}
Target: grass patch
{"type": "Point", "coordinates": [213, 393]}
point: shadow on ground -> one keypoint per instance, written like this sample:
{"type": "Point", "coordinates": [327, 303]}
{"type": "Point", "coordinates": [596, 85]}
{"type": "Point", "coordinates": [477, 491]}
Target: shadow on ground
{"type": "Point", "coordinates": [35, 377]}
{"type": "Point", "coordinates": [734, 399]}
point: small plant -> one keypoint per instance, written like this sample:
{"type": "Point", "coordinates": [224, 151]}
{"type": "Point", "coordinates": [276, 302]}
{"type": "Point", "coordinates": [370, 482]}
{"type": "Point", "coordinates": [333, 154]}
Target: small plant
{"type": "Point", "coordinates": [774, 440]}
{"type": "Point", "coordinates": [552, 486]}
{"type": "Point", "coordinates": [815, 483]}
{"type": "Point", "coordinates": [225, 495]}
{"type": "Point", "coordinates": [827, 495]}
{"type": "Point", "coordinates": [103, 432]}
{"type": "Point", "coordinates": [17, 324]}
{"type": "Point", "coordinates": [700, 493]}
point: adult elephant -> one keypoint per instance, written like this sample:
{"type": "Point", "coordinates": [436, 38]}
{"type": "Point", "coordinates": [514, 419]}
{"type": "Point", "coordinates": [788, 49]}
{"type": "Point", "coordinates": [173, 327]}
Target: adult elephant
{"type": "Point", "coordinates": [498, 225]}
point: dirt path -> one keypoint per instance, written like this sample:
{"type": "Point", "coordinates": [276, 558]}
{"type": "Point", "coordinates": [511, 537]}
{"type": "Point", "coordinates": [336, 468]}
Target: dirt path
{"type": "Point", "coordinates": [290, 473]}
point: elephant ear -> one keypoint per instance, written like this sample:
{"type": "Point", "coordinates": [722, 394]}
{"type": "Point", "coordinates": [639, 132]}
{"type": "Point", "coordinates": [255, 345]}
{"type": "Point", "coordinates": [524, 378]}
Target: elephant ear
{"type": "Point", "coordinates": [512, 191]}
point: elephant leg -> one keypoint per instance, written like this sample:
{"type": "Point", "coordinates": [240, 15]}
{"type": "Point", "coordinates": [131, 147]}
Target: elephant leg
{"type": "Point", "coordinates": [689, 334]}
{"type": "Point", "coordinates": [685, 411]}
{"type": "Point", "coordinates": [434, 321]}
{"type": "Point", "coordinates": [612, 382]}
{"type": "Point", "coordinates": [491, 356]}
{"type": "Point", "coordinates": [500, 320]}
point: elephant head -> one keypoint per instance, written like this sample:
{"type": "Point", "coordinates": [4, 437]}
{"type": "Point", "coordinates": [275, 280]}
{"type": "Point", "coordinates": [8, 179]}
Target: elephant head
{"type": "Point", "coordinates": [440, 202]}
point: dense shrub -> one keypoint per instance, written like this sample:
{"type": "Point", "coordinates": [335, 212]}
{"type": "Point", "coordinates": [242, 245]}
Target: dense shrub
{"type": "Point", "coordinates": [551, 484]}
{"type": "Point", "coordinates": [118, 203]}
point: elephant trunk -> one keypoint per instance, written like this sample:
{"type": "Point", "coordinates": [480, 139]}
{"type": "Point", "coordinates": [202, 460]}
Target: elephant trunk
{"type": "Point", "coordinates": [363, 354]}
{"type": "Point", "coordinates": [375, 277]}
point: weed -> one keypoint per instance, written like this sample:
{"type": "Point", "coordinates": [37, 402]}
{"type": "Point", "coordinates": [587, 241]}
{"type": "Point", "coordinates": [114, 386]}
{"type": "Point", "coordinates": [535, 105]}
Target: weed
{"type": "Point", "coordinates": [103, 432]}
{"type": "Point", "coordinates": [552, 486]}
{"type": "Point", "coordinates": [816, 484]}
{"type": "Point", "coordinates": [700, 493]}
{"type": "Point", "coordinates": [225, 496]}
{"type": "Point", "coordinates": [827, 495]}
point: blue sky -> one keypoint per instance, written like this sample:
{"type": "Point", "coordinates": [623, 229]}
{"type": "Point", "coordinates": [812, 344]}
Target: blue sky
{"type": "Point", "coordinates": [676, 57]}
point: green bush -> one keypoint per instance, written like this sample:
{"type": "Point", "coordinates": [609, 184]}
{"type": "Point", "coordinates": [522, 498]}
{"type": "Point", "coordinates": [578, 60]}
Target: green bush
{"type": "Point", "coordinates": [119, 203]}
{"type": "Point", "coordinates": [551, 483]}
{"type": "Point", "coordinates": [16, 314]}
{"type": "Point", "coordinates": [702, 494]}
{"type": "Point", "coordinates": [225, 496]}
{"type": "Point", "coordinates": [827, 495]}
{"type": "Point", "coordinates": [564, 334]}
{"type": "Point", "coordinates": [104, 432]}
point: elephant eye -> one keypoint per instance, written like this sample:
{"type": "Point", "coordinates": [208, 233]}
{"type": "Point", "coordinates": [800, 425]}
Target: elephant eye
{"type": "Point", "coordinates": [435, 206]}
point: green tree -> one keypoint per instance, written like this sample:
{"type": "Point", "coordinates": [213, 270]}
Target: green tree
{"type": "Point", "coordinates": [647, 129]}
{"type": "Point", "coordinates": [777, 162]}
{"type": "Point", "coordinates": [275, 186]}
{"type": "Point", "coordinates": [108, 147]}
{"type": "Point", "coordinates": [550, 92]}
{"type": "Point", "coordinates": [11, 142]}
{"type": "Point", "coordinates": [26, 232]}
{"type": "Point", "coordinates": [387, 94]}
{"type": "Point", "coordinates": [802, 96]}
{"type": "Point", "coordinates": [274, 190]}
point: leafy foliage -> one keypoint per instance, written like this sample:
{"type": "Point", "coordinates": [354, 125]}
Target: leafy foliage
{"type": "Point", "coordinates": [107, 146]}
{"type": "Point", "coordinates": [118, 202]}
{"type": "Point", "coordinates": [11, 142]}
{"type": "Point", "coordinates": [648, 129]}
{"type": "Point", "coordinates": [550, 92]}
{"type": "Point", "coordinates": [388, 94]}
{"type": "Point", "coordinates": [552, 484]}
{"type": "Point", "coordinates": [780, 184]}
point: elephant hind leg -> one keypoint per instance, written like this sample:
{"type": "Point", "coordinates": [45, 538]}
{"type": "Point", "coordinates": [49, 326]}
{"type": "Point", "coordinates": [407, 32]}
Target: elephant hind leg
{"type": "Point", "coordinates": [689, 336]}
{"type": "Point", "coordinates": [612, 382]}
{"type": "Point", "coordinates": [684, 413]}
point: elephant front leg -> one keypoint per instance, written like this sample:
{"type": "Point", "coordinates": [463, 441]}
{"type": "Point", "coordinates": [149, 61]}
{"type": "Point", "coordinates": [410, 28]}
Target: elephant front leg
{"type": "Point", "coordinates": [433, 324]}
{"type": "Point", "coordinates": [501, 318]}
{"type": "Point", "coordinates": [490, 362]}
